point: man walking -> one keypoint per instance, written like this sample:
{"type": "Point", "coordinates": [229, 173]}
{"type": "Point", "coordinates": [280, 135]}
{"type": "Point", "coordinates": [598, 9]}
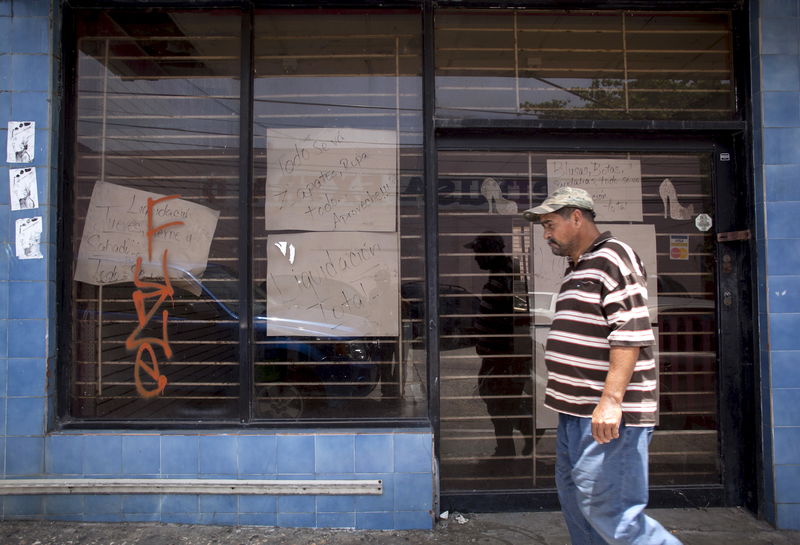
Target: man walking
{"type": "Point", "coordinates": [601, 378]}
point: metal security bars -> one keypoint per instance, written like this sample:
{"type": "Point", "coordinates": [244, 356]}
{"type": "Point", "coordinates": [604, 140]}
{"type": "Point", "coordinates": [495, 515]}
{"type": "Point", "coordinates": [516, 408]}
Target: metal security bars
{"type": "Point", "coordinates": [584, 65]}
{"type": "Point", "coordinates": [495, 433]}
{"type": "Point", "coordinates": [158, 110]}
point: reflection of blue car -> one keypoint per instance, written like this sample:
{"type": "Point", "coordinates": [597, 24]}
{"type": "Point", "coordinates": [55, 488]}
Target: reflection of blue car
{"type": "Point", "coordinates": [292, 372]}
{"type": "Point", "coordinates": [457, 310]}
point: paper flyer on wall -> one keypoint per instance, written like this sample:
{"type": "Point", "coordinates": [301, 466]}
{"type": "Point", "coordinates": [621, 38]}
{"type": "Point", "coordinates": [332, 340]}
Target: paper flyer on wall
{"type": "Point", "coordinates": [21, 141]}
{"type": "Point", "coordinates": [23, 189]}
{"type": "Point", "coordinates": [28, 238]}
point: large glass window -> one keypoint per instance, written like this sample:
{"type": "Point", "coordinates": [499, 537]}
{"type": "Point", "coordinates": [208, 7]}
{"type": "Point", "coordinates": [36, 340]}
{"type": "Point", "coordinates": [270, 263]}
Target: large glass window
{"type": "Point", "coordinates": [337, 214]}
{"type": "Point", "coordinates": [585, 65]}
{"type": "Point", "coordinates": [336, 271]}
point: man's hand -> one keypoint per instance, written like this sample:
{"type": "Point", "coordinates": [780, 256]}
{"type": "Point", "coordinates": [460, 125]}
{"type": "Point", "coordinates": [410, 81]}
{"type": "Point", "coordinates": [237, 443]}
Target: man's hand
{"type": "Point", "coordinates": [606, 419]}
{"type": "Point", "coordinates": [607, 416]}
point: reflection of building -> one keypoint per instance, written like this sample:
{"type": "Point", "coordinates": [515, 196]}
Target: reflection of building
{"type": "Point", "coordinates": [159, 101]}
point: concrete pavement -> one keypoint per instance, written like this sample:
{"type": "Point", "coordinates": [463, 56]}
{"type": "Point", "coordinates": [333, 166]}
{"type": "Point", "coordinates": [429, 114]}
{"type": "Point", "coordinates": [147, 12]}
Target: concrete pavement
{"type": "Point", "coordinates": [693, 526]}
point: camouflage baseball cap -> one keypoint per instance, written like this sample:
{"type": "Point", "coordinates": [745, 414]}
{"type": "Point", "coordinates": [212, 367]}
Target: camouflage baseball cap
{"type": "Point", "coordinates": [561, 197]}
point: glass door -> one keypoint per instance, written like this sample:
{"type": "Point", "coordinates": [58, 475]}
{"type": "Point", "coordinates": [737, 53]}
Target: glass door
{"type": "Point", "coordinates": [498, 282]}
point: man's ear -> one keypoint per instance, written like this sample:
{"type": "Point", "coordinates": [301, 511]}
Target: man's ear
{"type": "Point", "coordinates": [576, 217]}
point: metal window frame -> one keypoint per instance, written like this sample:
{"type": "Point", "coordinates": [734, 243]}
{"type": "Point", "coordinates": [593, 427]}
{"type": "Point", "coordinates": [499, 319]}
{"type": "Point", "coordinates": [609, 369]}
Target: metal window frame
{"type": "Point", "coordinates": [68, 123]}
{"type": "Point", "coordinates": [735, 351]}
{"type": "Point", "coordinates": [739, 466]}
{"type": "Point", "coordinates": [739, 393]}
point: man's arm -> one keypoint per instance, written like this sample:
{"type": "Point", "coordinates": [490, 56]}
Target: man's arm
{"type": "Point", "coordinates": [607, 416]}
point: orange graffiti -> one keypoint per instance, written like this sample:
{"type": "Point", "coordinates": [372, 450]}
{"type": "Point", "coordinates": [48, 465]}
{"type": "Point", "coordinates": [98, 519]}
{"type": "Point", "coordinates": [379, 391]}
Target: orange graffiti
{"type": "Point", "coordinates": [140, 296]}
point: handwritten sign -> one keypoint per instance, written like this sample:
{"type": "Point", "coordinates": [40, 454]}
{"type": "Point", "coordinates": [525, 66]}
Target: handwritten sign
{"type": "Point", "coordinates": [614, 184]}
{"type": "Point", "coordinates": [331, 180]}
{"type": "Point", "coordinates": [119, 229]}
{"type": "Point", "coordinates": [548, 269]}
{"type": "Point", "coordinates": [333, 284]}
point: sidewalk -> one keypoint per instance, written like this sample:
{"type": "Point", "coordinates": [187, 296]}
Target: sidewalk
{"type": "Point", "coordinates": [693, 526]}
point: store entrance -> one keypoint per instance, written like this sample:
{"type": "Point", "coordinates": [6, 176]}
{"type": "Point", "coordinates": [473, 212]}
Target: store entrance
{"type": "Point", "coordinates": [498, 282]}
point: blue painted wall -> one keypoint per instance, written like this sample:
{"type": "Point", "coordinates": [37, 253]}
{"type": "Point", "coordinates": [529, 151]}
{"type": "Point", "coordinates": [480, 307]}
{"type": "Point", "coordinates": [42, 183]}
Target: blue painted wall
{"type": "Point", "coordinates": [401, 459]}
{"type": "Point", "coordinates": [776, 100]}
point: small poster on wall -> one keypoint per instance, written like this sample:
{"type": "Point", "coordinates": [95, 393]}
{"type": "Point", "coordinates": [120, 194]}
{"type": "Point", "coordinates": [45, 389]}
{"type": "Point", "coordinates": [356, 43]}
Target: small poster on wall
{"type": "Point", "coordinates": [28, 238]}
{"type": "Point", "coordinates": [333, 284]}
{"type": "Point", "coordinates": [21, 141]}
{"type": "Point", "coordinates": [331, 179]}
{"type": "Point", "coordinates": [615, 184]}
{"type": "Point", "coordinates": [23, 188]}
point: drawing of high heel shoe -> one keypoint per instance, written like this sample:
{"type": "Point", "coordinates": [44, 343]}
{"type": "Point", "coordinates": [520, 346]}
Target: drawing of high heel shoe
{"type": "Point", "coordinates": [669, 197]}
{"type": "Point", "coordinates": [490, 189]}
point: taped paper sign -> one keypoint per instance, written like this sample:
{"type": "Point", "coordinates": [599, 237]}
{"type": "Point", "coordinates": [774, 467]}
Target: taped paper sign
{"type": "Point", "coordinates": [614, 184]}
{"type": "Point", "coordinates": [548, 269]}
{"type": "Point", "coordinates": [119, 224]}
{"type": "Point", "coordinates": [333, 284]}
{"type": "Point", "coordinates": [331, 180]}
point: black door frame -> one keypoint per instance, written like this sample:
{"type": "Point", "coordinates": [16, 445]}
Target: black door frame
{"type": "Point", "coordinates": [736, 357]}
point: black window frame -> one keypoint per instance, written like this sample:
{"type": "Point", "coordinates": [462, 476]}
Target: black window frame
{"type": "Point", "coordinates": [67, 83]}
{"type": "Point", "coordinates": [741, 459]}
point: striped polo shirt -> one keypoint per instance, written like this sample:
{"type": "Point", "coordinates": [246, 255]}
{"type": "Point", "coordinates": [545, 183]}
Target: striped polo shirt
{"type": "Point", "coordinates": [602, 303]}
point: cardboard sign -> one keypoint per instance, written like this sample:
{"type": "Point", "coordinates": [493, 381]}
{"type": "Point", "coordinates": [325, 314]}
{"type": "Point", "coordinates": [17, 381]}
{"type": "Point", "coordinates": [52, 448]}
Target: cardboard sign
{"type": "Point", "coordinates": [614, 184]}
{"type": "Point", "coordinates": [331, 180]}
{"type": "Point", "coordinates": [333, 284]}
{"type": "Point", "coordinates": [116, 234]}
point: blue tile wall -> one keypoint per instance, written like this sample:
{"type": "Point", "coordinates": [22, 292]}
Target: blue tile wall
{"type": "Point", "coordinates": [24, 456]}
{"type": "Point", "coordinates": [179, 455]}
{"type": "Point", "coordinates": [334, 453]}
{"type": "Point", "coordinates": [102, 455]}
{"type": "Point", "coordinates": [780, 35]}
{"type": "Point", "coordinates": [29, 35]}
{"type": "Point", "coordinates": [64, 455]}
{"type": "Point", "coordinates": [296, 454]}
{"type": "Point", "coordinates": [777, 93]}
{"type": "Point", "coordinates": [141, 455]}
{"type": "Point", "coordinates": [788, 516]}
{"type": "Point", "coordinates": [374, 453]}
{"type": "Point", "coordinates": [257, 456]}
{"type": "Point", "coordinates": [413, 453]}
{"type": "Point", "coordinates": [786, 369]}
{"type": "Point", "coordinates": [31, 8]}
{"type": "Point", "coordinates": [781, 109]}
{"type": "Point", "coordinates": [336, 520]}
{"type": "Point", "coordinates": [217, 456]}
{"type": "Point", "coordinates": [25, 416]}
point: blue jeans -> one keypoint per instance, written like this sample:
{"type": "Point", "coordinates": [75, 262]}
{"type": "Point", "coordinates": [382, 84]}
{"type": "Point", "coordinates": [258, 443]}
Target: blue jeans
{"type": "Point", "coordinates": [603, 488]}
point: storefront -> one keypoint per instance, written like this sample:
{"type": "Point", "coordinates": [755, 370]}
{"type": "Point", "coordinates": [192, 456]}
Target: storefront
{"type": "Point", "coordinates": [258, 245]}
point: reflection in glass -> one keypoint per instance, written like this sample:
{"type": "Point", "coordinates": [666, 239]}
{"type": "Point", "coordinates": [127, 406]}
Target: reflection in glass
{"type": "Point", "coordinates": [157, 109]}
{"type": "Point", "coordinates": [502, 377]}
{"type": "Point", "coordinates": [488, 252]}
{"type": "Point", "coordinates": [314, 73]}
{"type": "Point", "coordinates": [567, 65]}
